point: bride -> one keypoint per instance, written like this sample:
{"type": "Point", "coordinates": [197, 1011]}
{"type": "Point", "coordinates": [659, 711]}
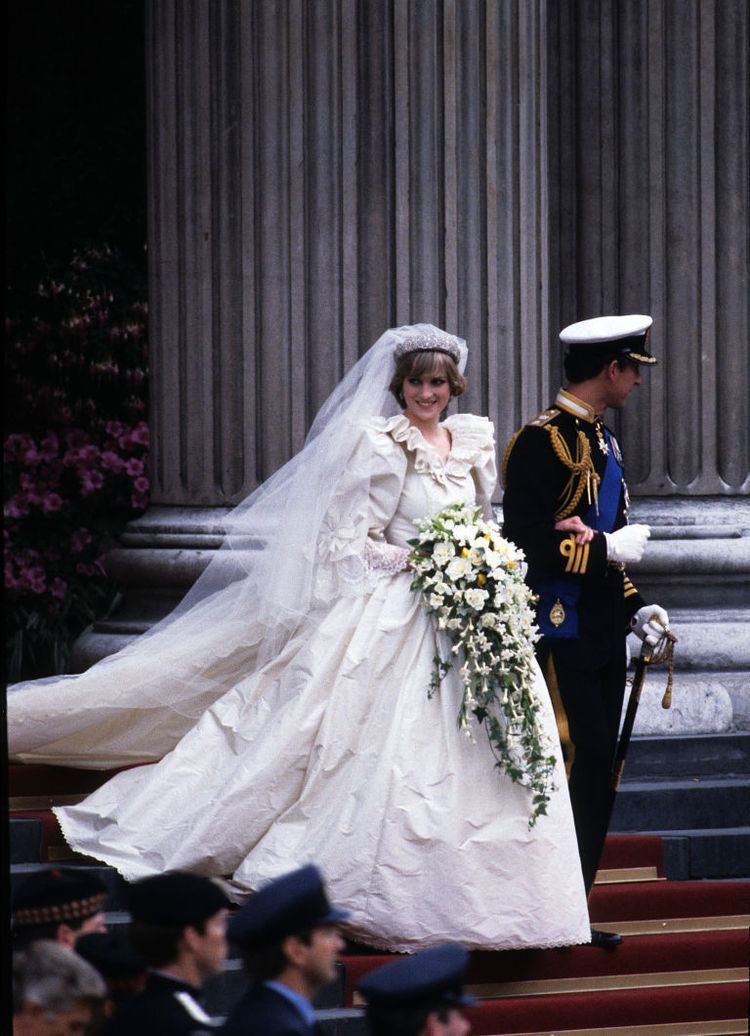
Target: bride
{"type": "Point", "coordinates": [281, 711]}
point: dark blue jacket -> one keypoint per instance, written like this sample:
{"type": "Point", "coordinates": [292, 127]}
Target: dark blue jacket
{"type": "Point", "coordinates": [166, 1007]}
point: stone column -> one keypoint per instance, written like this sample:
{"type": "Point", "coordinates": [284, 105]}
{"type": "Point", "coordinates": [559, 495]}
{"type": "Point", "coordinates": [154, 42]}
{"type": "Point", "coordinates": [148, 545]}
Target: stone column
{"type": "Point", "coordinates": [652, 216]}
{"type": "Point", "coordinates": [321, 171]}
{"type": "Point", "coordinates": [318, 173]}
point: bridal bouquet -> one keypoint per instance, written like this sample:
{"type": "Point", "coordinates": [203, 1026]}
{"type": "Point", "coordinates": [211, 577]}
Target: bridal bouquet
{"type": "Point", "coordinates": [471, 581]}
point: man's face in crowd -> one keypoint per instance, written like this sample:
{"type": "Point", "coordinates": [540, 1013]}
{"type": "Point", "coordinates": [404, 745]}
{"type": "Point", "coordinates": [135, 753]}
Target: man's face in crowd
{"type": "Point", "coordinates": [319, 962]}
{"type": "Point", "coordinates": [210, 945]}
{"type": "Point", "coordinates": [35, 1021]}
{"type": "Point", "coordinates": [447, 1023]}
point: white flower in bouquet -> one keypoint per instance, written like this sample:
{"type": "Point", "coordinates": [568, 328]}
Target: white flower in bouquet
{"type": "Point", "coordinates": [476, 598]}
{"type": "Point", "coordinates": [457, 569]}
{"type": "Point", "coordinates": [471, 581]}
{"type": "Point", "coordinates": [462, 533]}
{"type": "Point", "coordinates": [442, 553]}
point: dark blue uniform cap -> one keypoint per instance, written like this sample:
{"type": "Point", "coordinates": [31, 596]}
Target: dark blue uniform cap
{"type": "Point", "coordinates": [294, 903]}
{"type": "Point", "coordinates": [175, 898]}
{"type": "Point", "coordinates": [432, 977]}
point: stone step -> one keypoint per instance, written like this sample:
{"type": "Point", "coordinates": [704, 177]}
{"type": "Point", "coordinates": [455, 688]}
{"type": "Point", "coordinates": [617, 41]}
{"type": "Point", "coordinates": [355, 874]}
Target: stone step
{"type": "Point", "coordinates": [698, 755]}
{"type": "Point", "coordinates": [25, 840]}
{"type": "Point", "coordinates": [668, 805]}
{"type": "Point", "coordinates": [707, 853]}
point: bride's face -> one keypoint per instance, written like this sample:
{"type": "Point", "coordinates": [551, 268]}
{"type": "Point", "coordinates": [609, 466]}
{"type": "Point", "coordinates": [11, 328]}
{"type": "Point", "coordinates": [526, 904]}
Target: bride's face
{"type": "Point", "coordinates": [426, 395]}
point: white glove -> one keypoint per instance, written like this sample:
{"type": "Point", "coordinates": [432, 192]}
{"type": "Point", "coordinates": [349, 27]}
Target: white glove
{"type": "Point", "coordinates": [644, 626]}
{"type": "Point", "coordinates": [627, 544]}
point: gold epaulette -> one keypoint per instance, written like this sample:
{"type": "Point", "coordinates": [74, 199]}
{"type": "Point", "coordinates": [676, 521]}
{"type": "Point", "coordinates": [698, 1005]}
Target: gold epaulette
{"type": "Point", "coordinates": [539, 421]}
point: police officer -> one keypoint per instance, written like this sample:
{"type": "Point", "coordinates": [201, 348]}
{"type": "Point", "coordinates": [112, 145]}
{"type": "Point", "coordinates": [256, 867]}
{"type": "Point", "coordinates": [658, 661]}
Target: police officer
{"type": "Point", "coordinates": [421, 995]}
{"type": "Point", "coordinates": [58, 904]}
{"type": "Point", "coordinates": [566, 506]}
{"type": "Point", "coordinates": [288, 933]}
{"type": "Point", "coordinates": [179, 927]}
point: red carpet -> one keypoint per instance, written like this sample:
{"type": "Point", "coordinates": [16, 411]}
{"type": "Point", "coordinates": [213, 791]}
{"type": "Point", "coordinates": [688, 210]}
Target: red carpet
{"type": "Point", "coordinates": [684, 959]}
{"type": "Point", "coordinates": [696, 977]}
{"type": "Point", "coordinates": [610, 1009]}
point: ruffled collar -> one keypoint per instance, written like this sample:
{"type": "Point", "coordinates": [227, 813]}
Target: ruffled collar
{"type": "Point", "coordinates": [467, 444]}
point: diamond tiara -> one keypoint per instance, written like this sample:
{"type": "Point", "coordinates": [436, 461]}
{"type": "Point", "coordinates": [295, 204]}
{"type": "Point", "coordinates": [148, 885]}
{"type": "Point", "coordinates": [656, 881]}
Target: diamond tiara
{"type": "Point", "coordinates": [431, 342]}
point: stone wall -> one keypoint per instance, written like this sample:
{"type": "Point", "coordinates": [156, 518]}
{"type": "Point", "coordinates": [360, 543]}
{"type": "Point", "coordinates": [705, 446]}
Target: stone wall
{"type": "Point", "coordinates": [650, 155]}
{"type": "Point", "coordinates": [321, 171]}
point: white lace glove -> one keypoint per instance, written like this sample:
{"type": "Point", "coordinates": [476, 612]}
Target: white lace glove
{"type": "Point", "coordinates": [644, 626]}
{"type": "Point", "coordinates": [385, 558]}
{"type": "Point", "coordinates": [627, 544]}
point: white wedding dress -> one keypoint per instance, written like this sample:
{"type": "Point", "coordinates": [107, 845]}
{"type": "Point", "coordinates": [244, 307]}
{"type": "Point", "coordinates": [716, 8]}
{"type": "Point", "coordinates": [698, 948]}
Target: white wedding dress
{"type": "Point", "coordinates": [332, 752]}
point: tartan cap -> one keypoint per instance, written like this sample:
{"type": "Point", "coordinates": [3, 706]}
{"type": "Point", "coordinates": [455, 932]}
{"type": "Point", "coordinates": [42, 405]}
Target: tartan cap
{"type": "Point", "coordinates": [57, 895]}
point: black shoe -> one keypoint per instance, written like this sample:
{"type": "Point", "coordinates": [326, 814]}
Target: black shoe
{"type": "Point", "coordinates": [605, 940]}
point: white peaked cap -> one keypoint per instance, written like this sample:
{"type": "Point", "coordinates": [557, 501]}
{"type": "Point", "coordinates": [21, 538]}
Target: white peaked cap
{"type": "Point", "coordinates": [605, 329]}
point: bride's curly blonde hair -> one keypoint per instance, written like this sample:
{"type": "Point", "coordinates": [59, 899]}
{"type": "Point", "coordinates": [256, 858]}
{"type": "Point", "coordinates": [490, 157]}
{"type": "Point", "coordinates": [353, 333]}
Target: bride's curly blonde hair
{"type": "Point", "coordinates": [426, 363]}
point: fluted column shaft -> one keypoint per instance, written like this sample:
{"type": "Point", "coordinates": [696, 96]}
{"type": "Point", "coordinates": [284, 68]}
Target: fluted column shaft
{"type": "Point", "coordinates": [319, 172]}
{"type": "Point", "coordinates": [650, 150]}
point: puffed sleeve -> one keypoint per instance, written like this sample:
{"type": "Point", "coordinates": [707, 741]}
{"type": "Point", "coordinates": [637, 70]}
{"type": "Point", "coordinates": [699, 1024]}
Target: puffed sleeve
{"type": "Point", "coordinates": [352, 545]}
{"type": "Point", "coordinates": [388, 469]}
{"type": "Point", "coordinates": [474, 443]}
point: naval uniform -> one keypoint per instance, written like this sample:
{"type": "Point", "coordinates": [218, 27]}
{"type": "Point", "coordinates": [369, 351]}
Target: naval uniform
{"type": "Point", "coordinates": [166, 1007]}
{"type": "Point", "coordinates": [268, 1011]}
{"type": "Point", "coordinates": [565, 463]}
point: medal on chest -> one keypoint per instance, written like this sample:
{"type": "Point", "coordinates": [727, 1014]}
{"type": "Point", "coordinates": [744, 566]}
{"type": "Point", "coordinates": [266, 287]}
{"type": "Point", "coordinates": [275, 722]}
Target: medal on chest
{"type": "Point", "coordinates": [557, 613]}
{"type": "Point", "coordinates": [616, 449]}
{"type": "Point", "coordinates": [601, 439]}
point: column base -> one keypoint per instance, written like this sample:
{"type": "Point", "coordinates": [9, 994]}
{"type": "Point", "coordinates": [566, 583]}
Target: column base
{"type": "Point", "coordinates": [160, 556]}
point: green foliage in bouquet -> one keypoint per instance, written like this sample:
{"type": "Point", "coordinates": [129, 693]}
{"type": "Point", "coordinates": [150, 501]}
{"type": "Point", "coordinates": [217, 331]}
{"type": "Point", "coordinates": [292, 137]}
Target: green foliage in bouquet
{"type": "Point", "coordinates": [471, 581]}
{"type": "Point", "coordinates": [75, 450]}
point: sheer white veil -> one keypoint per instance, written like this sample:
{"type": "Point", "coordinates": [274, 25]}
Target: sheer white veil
{"type": "Point", "coordinates": [293, 548]}
{"type": "Point", "coordinates": [298, 540]}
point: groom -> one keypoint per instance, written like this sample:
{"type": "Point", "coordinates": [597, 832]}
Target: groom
{"type": "Point", "coordinates": [566, 505]}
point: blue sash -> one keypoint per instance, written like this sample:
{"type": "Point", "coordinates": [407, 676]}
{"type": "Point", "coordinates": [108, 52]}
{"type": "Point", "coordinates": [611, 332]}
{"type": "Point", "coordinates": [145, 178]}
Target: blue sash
{"type": "Point", "coordinates": [567, 588]}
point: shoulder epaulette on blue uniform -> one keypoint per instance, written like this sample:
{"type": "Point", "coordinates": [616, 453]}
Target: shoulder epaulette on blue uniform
{"type": "Point", "coordinates": [538, 422]}
{"type": "Point", "coordinates": [544, 418]}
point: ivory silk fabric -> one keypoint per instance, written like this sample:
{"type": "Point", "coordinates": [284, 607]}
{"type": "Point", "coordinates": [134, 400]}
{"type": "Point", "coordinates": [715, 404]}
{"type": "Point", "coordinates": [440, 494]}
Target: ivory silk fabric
{"type": "Point", "coordinates": [330, 753]}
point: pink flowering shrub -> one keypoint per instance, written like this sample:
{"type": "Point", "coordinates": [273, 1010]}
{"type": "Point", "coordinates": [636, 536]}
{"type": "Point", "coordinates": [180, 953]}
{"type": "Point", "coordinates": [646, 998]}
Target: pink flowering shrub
{"type": "Point", "coordinates": [75, 451]}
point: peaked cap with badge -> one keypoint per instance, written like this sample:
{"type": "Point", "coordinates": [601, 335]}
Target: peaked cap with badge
{"type": "Point", "coordinates": [623, 336]}
{"type": "Point", "coordinates": [565, 463]}
{"type": "Point", "coordinates": [295, 902]}
{"type": "Point", "coordinates": [431, 979]}
{"type": "Point", "coordinates": [290, 905]}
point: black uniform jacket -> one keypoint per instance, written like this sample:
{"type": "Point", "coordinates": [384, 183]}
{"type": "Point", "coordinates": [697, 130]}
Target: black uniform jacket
{"type": "Point", "coordinates": [165, 1007]}
{"type": "Point", "coordinates": [552, 469]}
{"type": "Point", "coordinates": [264, 1012]}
